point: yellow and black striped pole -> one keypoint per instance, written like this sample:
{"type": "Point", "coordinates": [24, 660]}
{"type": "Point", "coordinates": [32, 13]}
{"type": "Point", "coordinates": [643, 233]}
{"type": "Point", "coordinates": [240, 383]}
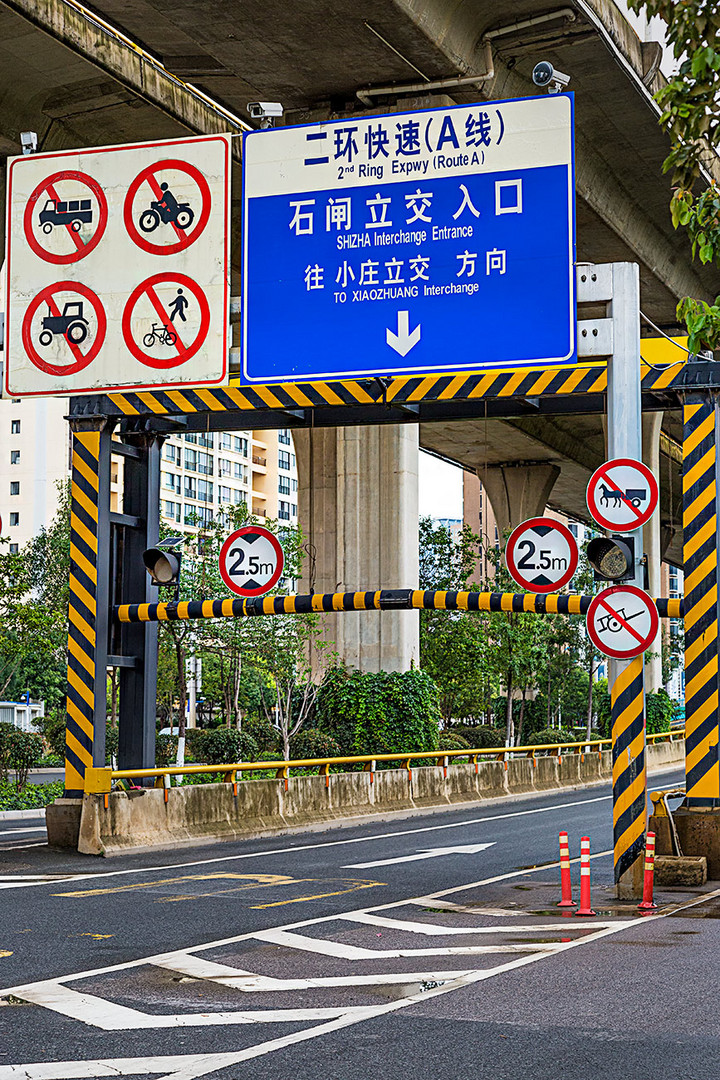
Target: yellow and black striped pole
{"type": "Point", "coordinates": [88, 607]}
{"type": "Point", "coordinates": [629, 770]}
{"type": "Point", "coordinates": [369, 600]}
{"type": "Point", "coordinates": [700, 560]}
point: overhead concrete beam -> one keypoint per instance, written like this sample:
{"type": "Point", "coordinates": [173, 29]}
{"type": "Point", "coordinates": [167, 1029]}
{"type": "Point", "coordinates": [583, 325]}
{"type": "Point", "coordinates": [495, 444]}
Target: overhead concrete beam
{"type": "Point", "coordinates": [112, 53]}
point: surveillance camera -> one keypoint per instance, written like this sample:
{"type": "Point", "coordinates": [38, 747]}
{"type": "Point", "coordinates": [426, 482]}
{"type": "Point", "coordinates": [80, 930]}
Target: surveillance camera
{"type": "Point", "coordinates": [264, 111]}
{"type": "Point", "coordinates": [29, 141]}
{"type": "Point", "coordinates": [545, 75]}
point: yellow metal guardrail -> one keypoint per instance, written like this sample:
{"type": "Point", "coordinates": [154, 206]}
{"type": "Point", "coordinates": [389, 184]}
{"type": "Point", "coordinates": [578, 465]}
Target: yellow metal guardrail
{"type": "Point", "coordinates": [99, 781]}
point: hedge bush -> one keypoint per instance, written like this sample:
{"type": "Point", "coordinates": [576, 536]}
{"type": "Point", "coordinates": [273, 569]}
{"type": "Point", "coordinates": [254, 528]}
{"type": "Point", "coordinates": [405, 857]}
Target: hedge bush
{"type": "Point", "coordinates": [262, 731]}
{"type": "Point", "coordinates": [482, 737]}
{"type": "Point", "coordinates": [451, 741]}
{"type": "Point", "coordinates": [223, 746]}
{"type": "Point", "coordinates": [313, 743]}
{"type": "Point", "coordinates": [20, 751]}
{"type": "Point", "coordinates": [379, 712]}
{"type": "Point", "coordinates": [34, 796]}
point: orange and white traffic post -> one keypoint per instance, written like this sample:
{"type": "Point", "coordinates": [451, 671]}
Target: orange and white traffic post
{"type": "Point", "coordinates": [565, 878]}
{"type": "Point", "coordinates": [647, 900]}
{"type": "Point", "coordinates": [585, 906]}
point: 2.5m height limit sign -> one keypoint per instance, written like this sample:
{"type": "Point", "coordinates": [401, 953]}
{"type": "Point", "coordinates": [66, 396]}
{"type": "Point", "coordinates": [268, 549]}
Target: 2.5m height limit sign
{"type": "Point", "coordinates": [118, 268]}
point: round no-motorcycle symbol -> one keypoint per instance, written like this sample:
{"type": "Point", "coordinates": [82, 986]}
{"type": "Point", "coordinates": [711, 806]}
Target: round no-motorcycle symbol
{"type": "Point", "coordinates": [251, 561]}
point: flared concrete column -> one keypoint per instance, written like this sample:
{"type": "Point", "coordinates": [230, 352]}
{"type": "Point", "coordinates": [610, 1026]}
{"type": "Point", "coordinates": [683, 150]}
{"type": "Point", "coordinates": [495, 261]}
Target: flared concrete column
{"type": "Point", "coordinates": [358, 507]}
{"type": "Point", "coordinates": [518, 492]}
{"type": "Point", "coordinates": [651, 424]}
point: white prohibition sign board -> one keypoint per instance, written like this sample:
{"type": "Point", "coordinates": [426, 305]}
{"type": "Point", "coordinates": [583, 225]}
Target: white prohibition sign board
{"type": "Point", "coordinates": [117, 268]}
{"type": "Point", "coordinates": [251, 561]}
{"type": "Point", "coordinates": [541, 555]}
{"type": "Point", "coordinates": [622, 621]}
{"type": "Point", "coordinates": [622, 494]}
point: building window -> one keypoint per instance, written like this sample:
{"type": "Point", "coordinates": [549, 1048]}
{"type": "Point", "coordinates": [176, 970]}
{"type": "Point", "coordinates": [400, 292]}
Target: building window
{"type": "Point", "coordinates": [14, 487]}
{"type": "Point", "coordinates": [284, 485]}
{"type": "Point", "coordinates": [190, 489]}
{"type": "Point", "coordinates": [293, 509]}
{"type": "Point", "coordinates": [172, 510]}
{"type": "Point", "coordinates": [14, 457]}
{"type": "Point", "coordinates": [205, 490]}
{"type": "Point", "coordinates": [206, 438]}
{"type": "Point", "coordinates": [171, 452]}
{"type": "Point", "coordinates": [172, 481]}
{"type": "Point", "coordinates": [191, 438]}
{"type": "Point", "coordinates": [191, 460]}
{"type": "Point", "coordinates": [283, 460]}
{"type": "Point", "coordinates": [283, 510]}
{"type": "Point", "coordinates": [205, 515]}
{"type": "Point", "coordinates": [224, 494]}
{"type": "Point", "coordinates": [190, 514]}
{"type": "Point", "coordinates": [15, 518]}
{"type": "Point", "coordinates": [204, 463]}
{"type": "Point", "coordinates": [240, 472]}
{"type": "Point", "coordinates": [15, 400]}
{"type": "Point", "coordinates": [14, 549]}
{"type": "Point", "coordinates": [284, 436]}
{"type": "Point", "coordinates": [241, 446]}
{"type": "Point", "coordinates": [14, 427]}
{"type": "Point", "coordinates": [224, 467]}
{"type": "Point", "coordinates": [226, 441]}
{"type": "Point", "coordinates": [293, 483]}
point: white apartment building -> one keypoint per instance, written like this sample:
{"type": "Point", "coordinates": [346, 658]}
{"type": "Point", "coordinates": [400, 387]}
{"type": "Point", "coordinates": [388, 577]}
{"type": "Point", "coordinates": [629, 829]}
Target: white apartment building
{"type": "Point", "coordinates": [204, 473]}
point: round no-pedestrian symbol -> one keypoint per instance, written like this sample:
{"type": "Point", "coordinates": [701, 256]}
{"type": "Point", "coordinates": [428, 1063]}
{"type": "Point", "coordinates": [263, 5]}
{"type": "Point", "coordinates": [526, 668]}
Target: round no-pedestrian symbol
{"type": "Point", "coordinates": [166, 320]}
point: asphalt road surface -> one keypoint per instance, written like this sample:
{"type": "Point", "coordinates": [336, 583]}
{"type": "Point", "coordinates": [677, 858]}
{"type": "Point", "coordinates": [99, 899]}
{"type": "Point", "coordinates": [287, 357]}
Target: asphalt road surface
{"type": "Point", "coordinates": [428, 947]}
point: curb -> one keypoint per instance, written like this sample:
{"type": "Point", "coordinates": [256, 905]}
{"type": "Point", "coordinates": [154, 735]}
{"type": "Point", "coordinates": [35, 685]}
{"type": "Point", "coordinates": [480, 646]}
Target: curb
{"type": "Point", "coordinates": [17, 815]}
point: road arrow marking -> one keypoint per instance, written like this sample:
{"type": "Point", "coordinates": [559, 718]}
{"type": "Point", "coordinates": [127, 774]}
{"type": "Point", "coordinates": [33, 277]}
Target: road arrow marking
{"type": "Point", "coordinates": [403, 341]}
{"type": "Point", "coordinates": [430, 853]}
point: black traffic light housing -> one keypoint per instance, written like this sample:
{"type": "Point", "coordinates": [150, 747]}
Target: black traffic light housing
{"type": "Point", "coordinates": [163, 561]}
{"type": "Point", "coordinates": [612, 558]}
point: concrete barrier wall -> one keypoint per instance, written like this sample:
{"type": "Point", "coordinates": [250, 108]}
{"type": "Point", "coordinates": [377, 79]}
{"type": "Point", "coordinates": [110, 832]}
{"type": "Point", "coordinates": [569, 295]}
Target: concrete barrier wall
{"type": "Point", "coordinates": [261, 807]}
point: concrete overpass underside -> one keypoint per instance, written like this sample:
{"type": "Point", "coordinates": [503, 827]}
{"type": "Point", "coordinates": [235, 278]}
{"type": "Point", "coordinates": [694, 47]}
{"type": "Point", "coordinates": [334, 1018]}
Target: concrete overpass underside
{"type": "Point", "coordinates": [153, 70]}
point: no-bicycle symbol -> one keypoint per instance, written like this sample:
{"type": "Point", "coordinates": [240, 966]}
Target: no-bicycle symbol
{"type": "Point", "coordinates": [167, 207]}
{"type": "Point", "coordinates": [64, 328]}
{"type": "Point", "coordinates": [65, 217]}
{"type": "Point", "coordinates": [166, 320]}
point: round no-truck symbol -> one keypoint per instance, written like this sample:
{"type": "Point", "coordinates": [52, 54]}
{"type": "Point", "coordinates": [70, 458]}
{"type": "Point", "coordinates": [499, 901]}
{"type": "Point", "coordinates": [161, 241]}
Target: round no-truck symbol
{"type": "Point", "coordinates": [65, 217]}
{"type": "Point", "coordinates": [169, 200]}
{"type": "Point", "coordinates": [251, 561]}
{"type": "Point", "coordinates": [166, 320]}
{"type": "Point", "coordinates": [64, 328]}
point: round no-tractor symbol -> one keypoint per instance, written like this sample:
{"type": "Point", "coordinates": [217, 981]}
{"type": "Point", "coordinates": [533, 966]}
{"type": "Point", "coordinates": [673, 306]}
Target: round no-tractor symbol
{"type": "Point", "coordinates": [65, 217]}
{"type": "Point", "coordinates": [166, 320]}
{"type": "Point", "coordinates": [64, 328]}
{"type": "Point", "coordinates": [169, 201]}
{"type": "Point", "coordinates": [251, 561]}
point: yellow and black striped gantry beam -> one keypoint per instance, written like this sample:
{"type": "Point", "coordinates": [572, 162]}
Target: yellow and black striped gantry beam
{"type": "Point", "coordinates": [377, 600]}
{"type": "Point", "coordinates": [629, 772]}
{"type": "Point", "coordinates": [81, 671]}
{"type": "Point", "coordinates": [700, 560]}
{"type": "Point", "coordinates": [580, 379]}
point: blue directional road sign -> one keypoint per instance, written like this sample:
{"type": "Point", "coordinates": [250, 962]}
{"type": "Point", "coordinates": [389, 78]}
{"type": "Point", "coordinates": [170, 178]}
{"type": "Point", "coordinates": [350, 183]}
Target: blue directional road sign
{"type": "Point", "coordinates": [432, 241]}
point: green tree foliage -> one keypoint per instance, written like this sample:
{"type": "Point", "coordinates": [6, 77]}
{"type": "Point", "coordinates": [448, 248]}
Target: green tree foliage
{"type": "Point", "coordinates": [379, 712]}
{"type": "Point", "coordinates": [20, 751]}
{"type": "Point", "coordinates": [689, 102]}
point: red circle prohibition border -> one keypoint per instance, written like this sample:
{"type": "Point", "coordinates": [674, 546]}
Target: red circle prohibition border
{"type": "Point", "coordinates": [516, 536]}
{"type": "Point", "coordinates": [74, 256]}
{"type": "Point", "coordinates": [636, 650]}
{"type": "Point", "coordinates": [167, 249]}
{"type": "Point", "coordinates": [227, 578]}
{"type": "Point", "coordinates": [598, 476]}
{"type": "Point", "coordinates": [134, 348]}
{"type": "Point", "coordinates": [79, 365]}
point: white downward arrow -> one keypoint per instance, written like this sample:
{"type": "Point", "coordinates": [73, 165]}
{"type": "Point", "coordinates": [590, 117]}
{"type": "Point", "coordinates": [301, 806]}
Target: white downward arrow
{"type": "Point", "coordinates": [403, 341]}
{"type": "Point", "coordinates": [430, 853]}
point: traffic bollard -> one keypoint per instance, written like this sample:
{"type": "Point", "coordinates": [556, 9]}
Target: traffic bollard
{"type": "Point", "coordinates": [565, 879]}
{"type": "Point", "coordinates": [647, 900]}
{"type": "Point", "coordinates": [585, 908]}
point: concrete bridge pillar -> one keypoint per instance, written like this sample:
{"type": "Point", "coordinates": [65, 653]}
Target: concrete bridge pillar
{"type": "Point", "coordinates": [651, 424]}
{"type": "Point", "coordinates": [358, 508]}
{"type": "Point", "coordinates": [518, 492]}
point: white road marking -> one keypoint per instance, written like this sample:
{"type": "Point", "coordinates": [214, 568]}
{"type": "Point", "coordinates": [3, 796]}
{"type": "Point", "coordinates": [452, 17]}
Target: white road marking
{"type": "Point", "coordinates": [430, 853]}
{"type": "Point", "coordinates": [325, 844]}
{"type": "Point", "coordinates": [191, 1067]}
{"type": "Point", "coordinates": [433, 930]}
{"type": "Point", "coordinates": [34, 828]}
{"type": "Point", "coordinates": [467, 909]}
